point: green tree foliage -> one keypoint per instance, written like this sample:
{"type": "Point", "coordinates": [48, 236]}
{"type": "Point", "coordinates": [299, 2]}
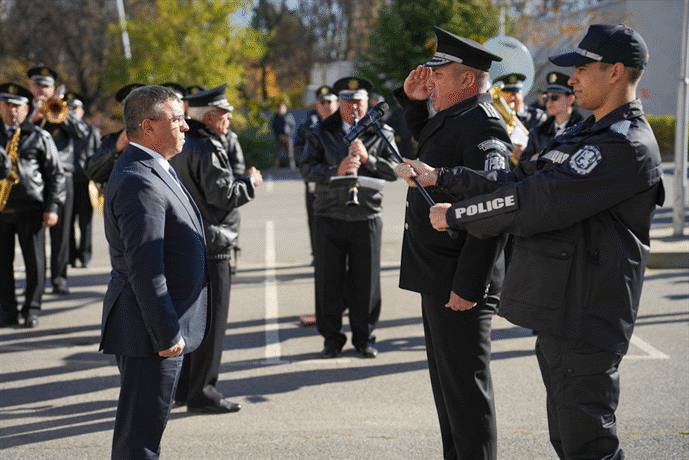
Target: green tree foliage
{"type": "Point", "coordinates": [190, 42]}
{"type": "Point", "coordinates": [403, 37]}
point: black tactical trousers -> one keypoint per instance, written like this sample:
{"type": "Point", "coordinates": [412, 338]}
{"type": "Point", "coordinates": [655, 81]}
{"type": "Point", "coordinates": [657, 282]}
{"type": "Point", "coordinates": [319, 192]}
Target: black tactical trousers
{"type": "Point", "coordinates": [583, 388]}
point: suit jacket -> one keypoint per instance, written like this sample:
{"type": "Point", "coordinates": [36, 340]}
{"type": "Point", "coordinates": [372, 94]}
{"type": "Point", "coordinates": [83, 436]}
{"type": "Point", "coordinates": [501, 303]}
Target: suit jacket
{"type": "Point", "coordinates": [158, 287]}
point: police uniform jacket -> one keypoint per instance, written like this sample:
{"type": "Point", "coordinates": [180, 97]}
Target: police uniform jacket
{"type": "Point", "coordinates": [473, 134]}
{"type": "Point", "coordinates": [580, 219]}
{"type": "Point", "coordinates": [311, 123]}
{"type": "Point", "coordinates": [65, 135]}
{"type": "Point", "coordinates": [99, 166]}
{"type": "Point", "coordinates": [540, 137]}
{"type": "Point", "coordinates": [325, 149]}
{"type": "Point", "coordinates": [41, 180]}
{"type": "Point", "coordinates": [235, 156]}
{"type": "Point", "coordinates": [205, 170]}
{"type": "Point", "coordinates": [85, 148]}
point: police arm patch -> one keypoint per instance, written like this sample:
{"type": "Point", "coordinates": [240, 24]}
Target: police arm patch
{"type": "Point", "coordinates": [486, 206]}
{"type": "Point", "coordinates": [585, 160]}
{"type": "Point", "coordinates": [497, 154]}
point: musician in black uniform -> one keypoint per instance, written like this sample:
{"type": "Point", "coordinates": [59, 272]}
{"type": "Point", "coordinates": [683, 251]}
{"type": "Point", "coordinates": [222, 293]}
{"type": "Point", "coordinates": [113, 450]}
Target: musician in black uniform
{"type": "Point", "coordinates": [559, 103]}
{"type": "Point", "coordinates": [65, 134]}
{"type": "Point", "coordinates": [581, 217]}
{"type": "Point", "coordinates": [32, 204]}
{"type": "Point", "coordinates": [326, 105]}
{"type": "Point", "coordinates": [205, 170]}
{"type": "Point", "coordinates": [83, 209]}
{"type": "Point", "coordinates": [459, 279]}
{"type": "Point", "coordinates": [100, 164]}
{"type": "Point", "coordinates": [513, 93]}
{"type": "Point", "coordinates": [348, 237]}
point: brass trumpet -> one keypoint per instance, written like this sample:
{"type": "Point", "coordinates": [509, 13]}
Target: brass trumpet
{"type": "Point", "coordinates": [54, 110]}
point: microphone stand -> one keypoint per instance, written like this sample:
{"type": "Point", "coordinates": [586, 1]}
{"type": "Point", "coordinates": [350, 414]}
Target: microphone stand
{"type": "Point", "coordinates": [451, 232]}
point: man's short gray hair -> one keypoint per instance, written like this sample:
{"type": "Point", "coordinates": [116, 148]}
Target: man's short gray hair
{"type": "Point", "coordinates": [145, 102]}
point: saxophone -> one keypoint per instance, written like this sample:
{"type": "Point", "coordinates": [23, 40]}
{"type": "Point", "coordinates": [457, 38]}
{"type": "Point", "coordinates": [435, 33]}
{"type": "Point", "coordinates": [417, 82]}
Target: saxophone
{"type": "Point", "coordinates": [515, 128]}
{"type": "Point", "coordinates": [10, 181]}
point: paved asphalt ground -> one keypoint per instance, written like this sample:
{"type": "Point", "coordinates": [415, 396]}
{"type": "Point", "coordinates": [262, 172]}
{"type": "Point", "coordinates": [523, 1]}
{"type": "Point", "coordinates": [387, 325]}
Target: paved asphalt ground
{"type": "Point", "coordinates": [58, 393]}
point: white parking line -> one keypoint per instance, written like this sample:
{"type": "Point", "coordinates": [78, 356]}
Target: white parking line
{"type": "Point", "coordinates": [269, 184]}
{"type": "Point", "coordinates": [273, 350]}
{"type": "Point", "coordinates": [652, 353]}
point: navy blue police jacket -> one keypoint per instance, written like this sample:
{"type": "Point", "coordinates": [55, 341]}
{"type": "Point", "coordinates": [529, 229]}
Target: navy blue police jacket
{"type": "Point", "coordinates": [580, 216]}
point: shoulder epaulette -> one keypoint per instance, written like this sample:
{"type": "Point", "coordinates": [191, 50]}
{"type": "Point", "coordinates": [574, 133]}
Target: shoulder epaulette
{"type": "Point", "coordinates": [490, 110]}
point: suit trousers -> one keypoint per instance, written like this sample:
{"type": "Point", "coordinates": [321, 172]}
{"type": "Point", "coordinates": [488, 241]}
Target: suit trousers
{"type": "Point", "coordinates": [29, 228]}
{"type": "Point", "coordinates": [146, 396]}
{"type": "Point", "coordinates": [458, 350]}
{"type": "Point", "coordinates": [582, 385]}
{"type": "Point", "coordinates": [83, 216]}
{"type": "Point", "coordinates": [201, 367]}
{"type": "Point", "coordinates": [347, 276]}
{"type": "Point", "coordinates": [59, 236]}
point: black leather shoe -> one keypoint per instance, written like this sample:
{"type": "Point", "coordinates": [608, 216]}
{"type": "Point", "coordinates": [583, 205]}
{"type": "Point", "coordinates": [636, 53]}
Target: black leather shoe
{"type": "Point", "coordinates": [369, 351]}
{"type": "Point", "coordinates": [330, 351]}
{"type": "Point", "coordinates": [8, 320]}
{"type": "Point", "coordinates": [221, 407]}
{"type": "Point", "coordinates": [60, 288]}
{"type": "Point", "coordinates": [30, 321]}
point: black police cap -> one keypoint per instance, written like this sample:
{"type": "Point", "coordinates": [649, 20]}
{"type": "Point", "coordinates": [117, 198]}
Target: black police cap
{"type": "Point", "coordinates": [607, 43]}
{"type": "Point", "coordinates": [349, 88]}
{"type": "Point", "coordinates": [42, 75]}
{"type": "Point", "coordinates": [325, 92]}
{"type": "Point", "coordinates": [451, 48]}
{"type": "Point", "coordinates": [512, 82]}
{"type": "Point", "coordinates": [13, 93]}
{"type": "Point", "coordinates": [193, 89]}
{"type": "Point", "coordinates": [214, 97]}
{"type": "Point", "coordinates": [123, 92]}
{"type": "Point", "coordinates": [557, 83]}
{"type": "Point", "coordinates": [73, 99]}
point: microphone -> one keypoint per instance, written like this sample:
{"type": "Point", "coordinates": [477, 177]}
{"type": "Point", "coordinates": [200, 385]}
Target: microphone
{"type": "Point", "coordinates": [373, 115]}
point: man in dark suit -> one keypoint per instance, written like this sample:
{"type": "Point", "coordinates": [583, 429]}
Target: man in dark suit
{"type": "Point", "coordinates": [155, 307]}
{"type": "Point", "coordinates": [458, 278]}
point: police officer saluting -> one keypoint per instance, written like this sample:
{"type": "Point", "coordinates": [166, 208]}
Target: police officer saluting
{"type": "Point", "coordinates": [580, 216]}
{"type": "Point", "coordinates": [29, 154]}
{"type": "Point", "coordinates": [458, 279]}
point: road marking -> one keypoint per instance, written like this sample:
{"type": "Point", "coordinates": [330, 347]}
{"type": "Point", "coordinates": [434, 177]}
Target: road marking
{"type": "Point", "coordinates": [269, 184]}
{"type": "Point", "coordinates": [273, 351]}
{"type": "Point", "coordinates": [652, 353]}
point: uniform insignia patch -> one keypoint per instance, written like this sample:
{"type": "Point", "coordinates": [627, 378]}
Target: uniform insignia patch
{"type": "Point", "coordinates": [585, 159]}
{"type": "Point", "coordinates": [555, 156]}
{"type": "Point", "coordinates": [621, 127]}
{"type": "Point", "coordinates": [495, 161]}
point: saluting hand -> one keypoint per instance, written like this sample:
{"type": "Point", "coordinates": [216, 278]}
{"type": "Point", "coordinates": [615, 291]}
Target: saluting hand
{"type": "Point", "coordinates": [438, 216]}
{"type": "Point", "coordinates": [416, 85]}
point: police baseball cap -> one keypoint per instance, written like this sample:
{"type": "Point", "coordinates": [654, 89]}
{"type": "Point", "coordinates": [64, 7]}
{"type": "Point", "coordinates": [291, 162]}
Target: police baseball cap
{"type": "Point", "coordinates": [512, 82]}
{"type": "Point", "coordinates": [15, 94]}
{"type": "Point", "coordinates": [123, 92]}
{"type": "Point", "coordinates": [350, 88]}
{"type": "Point", "coordinates": [325, 93]}
{"type": "Point", "coordinates": [607, 43]}
{"type": "Point", "coordinates": [557, 83]}
{"type": "Point", "coordinates": [214, 97]}
{"type": "Point", "coordinates": [451, 48]}
{"type": "Point", "coordinates": [42, 75]}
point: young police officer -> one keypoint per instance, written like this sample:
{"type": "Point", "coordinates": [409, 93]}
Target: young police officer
{"type": "Point", "coordinates": [580, 215]}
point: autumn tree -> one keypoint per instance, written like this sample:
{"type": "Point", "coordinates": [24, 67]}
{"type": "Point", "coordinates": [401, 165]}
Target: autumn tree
{"type": "Point", "coordinates": [403, 36]}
